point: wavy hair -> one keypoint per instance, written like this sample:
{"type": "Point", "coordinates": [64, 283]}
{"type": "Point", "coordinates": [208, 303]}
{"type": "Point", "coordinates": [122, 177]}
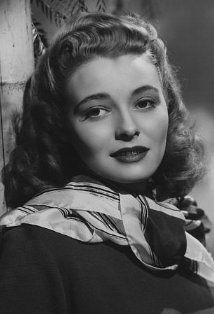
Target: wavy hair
{"type": "Point", "coordinates": [44, 156]}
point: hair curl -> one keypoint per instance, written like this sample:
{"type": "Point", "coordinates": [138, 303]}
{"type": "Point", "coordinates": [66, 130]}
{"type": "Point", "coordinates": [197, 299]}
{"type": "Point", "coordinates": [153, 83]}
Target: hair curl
{"type": "Point", "coordinates": [44, 156]}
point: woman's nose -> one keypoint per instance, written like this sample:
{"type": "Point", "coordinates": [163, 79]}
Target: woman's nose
{"type": "Point", "coordinates": [126, 128]}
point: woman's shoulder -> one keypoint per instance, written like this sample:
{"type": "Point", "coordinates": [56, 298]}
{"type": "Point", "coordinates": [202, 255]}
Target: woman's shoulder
{"type": "Point", "coordinates": [26, 236]}
{"type": "Point", "coordinates": [20, 245]}
{"type": "Point", "coordinates": [28, 244]}
{"type": "Point", "coordinates": [29, 275]}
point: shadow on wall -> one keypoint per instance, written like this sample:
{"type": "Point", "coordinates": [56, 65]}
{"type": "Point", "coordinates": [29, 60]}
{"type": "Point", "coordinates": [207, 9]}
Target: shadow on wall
{"type": "Point", "coordinates": [187, 27]}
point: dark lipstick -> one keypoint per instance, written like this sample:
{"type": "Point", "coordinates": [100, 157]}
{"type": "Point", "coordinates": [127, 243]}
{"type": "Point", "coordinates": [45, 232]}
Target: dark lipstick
{"type": "Point", "coordinates": [130, 154]}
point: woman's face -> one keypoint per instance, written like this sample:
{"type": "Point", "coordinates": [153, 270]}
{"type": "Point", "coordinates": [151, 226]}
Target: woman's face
{"type": "Point", "coordinates": [118, 117]}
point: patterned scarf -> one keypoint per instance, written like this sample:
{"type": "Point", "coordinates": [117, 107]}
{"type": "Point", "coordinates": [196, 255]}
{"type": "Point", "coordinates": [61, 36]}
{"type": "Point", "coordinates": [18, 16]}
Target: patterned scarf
{"type": "Point", "coordinates": [91, 212]}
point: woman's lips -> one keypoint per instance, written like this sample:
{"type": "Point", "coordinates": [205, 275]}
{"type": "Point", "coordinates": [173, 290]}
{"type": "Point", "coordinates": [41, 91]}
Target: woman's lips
{"type": "Point", "coordinates": [132, 154]}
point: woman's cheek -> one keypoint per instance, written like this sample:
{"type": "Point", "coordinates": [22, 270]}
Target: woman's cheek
{"type": "Point", "coordinates": [89, 139]}
{"type": "Point", "coordinates": [161, 128]}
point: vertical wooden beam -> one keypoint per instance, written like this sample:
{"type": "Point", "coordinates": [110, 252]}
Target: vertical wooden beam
{"type": "Point", "coordinates": [16, 65]}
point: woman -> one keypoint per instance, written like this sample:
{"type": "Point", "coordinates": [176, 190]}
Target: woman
{"type": "Point", "coordinates": [104, 140]}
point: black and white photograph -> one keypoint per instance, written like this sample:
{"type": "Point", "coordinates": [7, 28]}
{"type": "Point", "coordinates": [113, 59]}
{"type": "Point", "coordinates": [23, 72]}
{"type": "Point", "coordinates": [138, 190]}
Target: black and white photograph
{"type": "Point", "coordinates": [106, 157]}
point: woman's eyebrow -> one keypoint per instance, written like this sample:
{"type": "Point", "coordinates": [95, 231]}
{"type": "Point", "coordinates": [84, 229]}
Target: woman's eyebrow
{"type": "Point", "coordinates": [145, 88]}
{"type": "Point", "coordinates": [91, 97]}
{"type": "Point", "coordinates": [100, 96]}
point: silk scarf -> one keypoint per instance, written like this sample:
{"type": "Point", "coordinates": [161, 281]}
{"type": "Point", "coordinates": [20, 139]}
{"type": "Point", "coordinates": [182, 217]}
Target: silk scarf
{"type": "Point", "coordinates": [89, 211]}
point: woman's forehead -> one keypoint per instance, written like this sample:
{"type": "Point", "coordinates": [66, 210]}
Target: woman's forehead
{"type": "Point", "coordinates": [127, 73]}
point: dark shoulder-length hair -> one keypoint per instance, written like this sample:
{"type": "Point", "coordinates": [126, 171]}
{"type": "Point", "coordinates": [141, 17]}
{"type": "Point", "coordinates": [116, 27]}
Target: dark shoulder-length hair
{"type": "Point", "coordinates": [44, 156]}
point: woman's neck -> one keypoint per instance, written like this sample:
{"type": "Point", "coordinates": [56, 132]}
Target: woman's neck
{"type": "Point", "coordinates": [137, 188]}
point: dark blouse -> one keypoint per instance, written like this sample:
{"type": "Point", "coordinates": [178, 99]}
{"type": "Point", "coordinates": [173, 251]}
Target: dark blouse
{"type": "Point", "coordinates": [42, 271]}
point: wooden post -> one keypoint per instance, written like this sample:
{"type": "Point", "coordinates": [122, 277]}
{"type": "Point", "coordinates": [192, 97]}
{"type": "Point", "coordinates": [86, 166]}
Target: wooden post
{"type": "Point", "coordinates": [16, 65]}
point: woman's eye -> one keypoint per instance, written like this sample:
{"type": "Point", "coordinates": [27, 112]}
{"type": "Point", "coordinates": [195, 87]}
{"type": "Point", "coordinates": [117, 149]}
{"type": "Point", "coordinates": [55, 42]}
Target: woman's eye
{"type": "Point", "coordinates": [95, 113]}
{"type": "Point", "coordinates": [145, 104]}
